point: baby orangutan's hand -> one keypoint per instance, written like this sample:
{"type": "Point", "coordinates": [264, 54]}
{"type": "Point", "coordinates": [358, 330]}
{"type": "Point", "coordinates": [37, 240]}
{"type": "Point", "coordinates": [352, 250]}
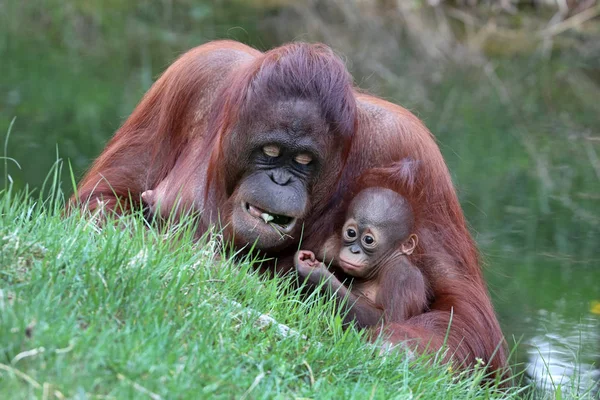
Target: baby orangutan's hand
{"type": "Point", "coordinates": [308, 266]}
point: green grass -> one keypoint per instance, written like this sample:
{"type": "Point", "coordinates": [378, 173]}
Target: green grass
{"type": "Point", "coordinates": [130, 311]}
{"type": "Point", "coordinates": [125, 311]}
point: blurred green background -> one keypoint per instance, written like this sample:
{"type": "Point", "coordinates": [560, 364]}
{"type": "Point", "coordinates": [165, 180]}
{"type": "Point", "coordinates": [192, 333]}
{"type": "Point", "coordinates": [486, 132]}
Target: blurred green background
{"type": "Point", "coordinates": [511, 89]}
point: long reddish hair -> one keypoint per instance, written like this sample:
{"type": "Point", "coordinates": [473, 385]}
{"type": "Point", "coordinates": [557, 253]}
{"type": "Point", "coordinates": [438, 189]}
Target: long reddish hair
{"type": "Point", "coordinates": [297, 70]}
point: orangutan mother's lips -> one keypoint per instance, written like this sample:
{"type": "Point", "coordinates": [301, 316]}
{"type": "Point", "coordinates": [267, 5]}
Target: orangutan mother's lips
{"type": "Point", "coordinates": [283, 221]}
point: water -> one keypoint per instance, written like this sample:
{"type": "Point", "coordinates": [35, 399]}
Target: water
{"type": "Point", "coordinates": [552, 310]}
{"type": "Point", "coordinates": [567, 354]}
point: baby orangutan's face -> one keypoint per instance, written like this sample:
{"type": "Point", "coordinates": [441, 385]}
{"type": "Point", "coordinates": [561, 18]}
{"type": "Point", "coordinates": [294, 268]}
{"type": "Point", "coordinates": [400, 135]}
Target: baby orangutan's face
{"type": "Point", "coordinates": [378, 222]}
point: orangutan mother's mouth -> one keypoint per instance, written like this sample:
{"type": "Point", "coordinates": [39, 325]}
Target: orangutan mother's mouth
{"type": "Point", "coordinates": [284, 223]}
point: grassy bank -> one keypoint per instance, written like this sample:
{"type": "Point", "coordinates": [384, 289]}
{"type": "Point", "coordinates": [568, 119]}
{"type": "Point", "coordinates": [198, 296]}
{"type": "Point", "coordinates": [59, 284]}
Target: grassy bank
{"type": "Point", "coordinates": [124, 312]}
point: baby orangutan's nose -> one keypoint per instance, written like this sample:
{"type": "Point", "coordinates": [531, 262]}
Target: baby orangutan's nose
{"type": "Point", "coordinates": [354, 249]}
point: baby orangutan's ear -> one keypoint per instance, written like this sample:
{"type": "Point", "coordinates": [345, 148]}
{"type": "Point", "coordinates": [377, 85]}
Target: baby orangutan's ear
{"type": "Point", "coordinates": [409, 245]}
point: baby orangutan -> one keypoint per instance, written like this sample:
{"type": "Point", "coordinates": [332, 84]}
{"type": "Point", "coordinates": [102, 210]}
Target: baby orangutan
{"type": "Point", "coordinates": [373, 249]}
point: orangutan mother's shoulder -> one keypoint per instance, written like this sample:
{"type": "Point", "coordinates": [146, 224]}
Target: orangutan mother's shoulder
{"type": "Point", "coordinates": [383, 118]}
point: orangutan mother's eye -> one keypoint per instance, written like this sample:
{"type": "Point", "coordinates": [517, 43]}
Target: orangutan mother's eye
{"type": "Point", "coordinates": [271, 150]}
{"type": "Point", "coordinates": [303, 158]}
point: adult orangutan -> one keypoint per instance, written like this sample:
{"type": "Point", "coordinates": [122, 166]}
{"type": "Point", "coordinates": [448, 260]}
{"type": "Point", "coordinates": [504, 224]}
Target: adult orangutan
{"type": "Point", "coordinates": [247, 138]}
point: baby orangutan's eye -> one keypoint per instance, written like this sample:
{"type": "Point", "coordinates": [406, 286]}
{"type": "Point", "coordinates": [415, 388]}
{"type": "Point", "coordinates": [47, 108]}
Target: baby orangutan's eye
{"type": "Point", "coordinates": [369, 240]}
{"type": "Point", "coordinates": [350, 233]}
{"type": "Point", "coordinates": [271, 150]}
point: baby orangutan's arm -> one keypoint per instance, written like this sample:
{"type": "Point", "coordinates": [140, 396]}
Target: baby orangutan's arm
{"type": "Point", "coordinates": [354, 307]}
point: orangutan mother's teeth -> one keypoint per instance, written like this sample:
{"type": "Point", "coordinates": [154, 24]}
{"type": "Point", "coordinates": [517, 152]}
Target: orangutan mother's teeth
{"type": "Point", "coordinates": [266, 217]}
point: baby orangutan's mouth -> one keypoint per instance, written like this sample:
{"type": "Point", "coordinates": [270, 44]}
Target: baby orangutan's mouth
{"type": "Point", "coordinates": [283, 223]}
{"type": "Point", "coordinates": [349, 267]}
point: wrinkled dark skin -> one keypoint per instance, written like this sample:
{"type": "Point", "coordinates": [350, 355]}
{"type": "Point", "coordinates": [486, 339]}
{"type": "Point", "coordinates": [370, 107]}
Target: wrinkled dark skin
{"type": "Point", "coordinates": [373, 249]}
{"type": "Point", "coordinates": [284, 153]}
